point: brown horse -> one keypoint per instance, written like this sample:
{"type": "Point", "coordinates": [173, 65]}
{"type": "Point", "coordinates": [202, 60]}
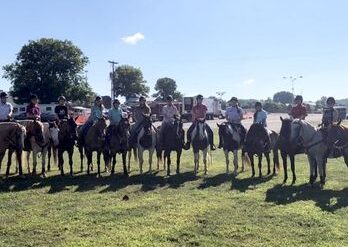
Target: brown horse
{"type": "Point", "coordinates": [255, 144]}
{"type": "Point", "coordinates": [12, 137]}
{"type": "Point", "coordinates": [67, 136]}
{"type": "Point", "coordinates": [337, 140]}
{"type": "Point", "coordinates": [94, 141]}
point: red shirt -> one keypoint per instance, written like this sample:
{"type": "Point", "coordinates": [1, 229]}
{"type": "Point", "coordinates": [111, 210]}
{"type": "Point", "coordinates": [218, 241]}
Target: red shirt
{"type": "Point", "coordinates": [199, 111]}
{"type": "Point", "coordinates": [298, 111]}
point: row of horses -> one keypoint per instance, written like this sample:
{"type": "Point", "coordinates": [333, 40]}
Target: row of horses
{"type": "Point", "coordinates": [295, 137]}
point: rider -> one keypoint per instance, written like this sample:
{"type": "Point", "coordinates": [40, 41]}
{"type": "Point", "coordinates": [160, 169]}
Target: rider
{"type": "Point", "coordinates": [115, 113]}
{"type": "Point", "coordinates": [234, 115]}
{"type": "Point", "coordinates": [169, 113]}
{"type": "Point", "coordinates": [96, 114]}
{"type": "Point", "coordinates": [299, 111]}
{"type": "Point", "coordinates": [6, 108]}
{"type": "Point", "coordinates": [61, 110]}
{"type": "Point", "coordinates": [330, 114]}
{"type": "Point", "coordinates": [260, 117]}
{"type": "Point", "coordinates": [199, 111]}
{"type": "Point", "coordinates": [33, 109]}
{"type": "Point", "coordinates": [140, 111]}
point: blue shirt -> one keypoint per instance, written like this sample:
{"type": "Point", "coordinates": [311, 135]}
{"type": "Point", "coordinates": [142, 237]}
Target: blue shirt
{"type": "Point", "coordinates": [234, 114]}
{"type": "Point", "coordinates": [96, 113]}
{"type": "Point", "coordinates": [261, 117]}
{"type": "Point", "coordinates": [115, 115]}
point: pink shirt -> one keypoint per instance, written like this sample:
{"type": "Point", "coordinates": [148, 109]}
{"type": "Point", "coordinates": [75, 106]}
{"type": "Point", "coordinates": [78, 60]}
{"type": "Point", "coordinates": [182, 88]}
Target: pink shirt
{"type": "Point", "coordinates": [199, 111]}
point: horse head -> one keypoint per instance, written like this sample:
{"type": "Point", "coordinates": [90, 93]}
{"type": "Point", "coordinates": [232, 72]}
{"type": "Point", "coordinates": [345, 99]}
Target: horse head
{"type": "Point", "coordinates": [53, 131]}
{"type": "Point", "coordinates": [337, 135]}
{"type": "Point", "coordinates": [147, 124]}
{"type": "Point", "coordinates": [36, 129]}
{"type": "Point", "coordinates": [124, 129]}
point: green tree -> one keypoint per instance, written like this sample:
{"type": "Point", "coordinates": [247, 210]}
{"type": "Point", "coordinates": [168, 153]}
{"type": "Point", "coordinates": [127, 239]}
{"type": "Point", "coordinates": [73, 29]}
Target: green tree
{"type": "Point", "coordinates": [283, 97]}
{"type": "Point", "coordinates": [128, 81]}
{"type": "Point", "coordinates": [167, 86]}
{"type": "Point", "coordinates": [48, 68]}
{"type": "Point", "coordinates": [319, 104]}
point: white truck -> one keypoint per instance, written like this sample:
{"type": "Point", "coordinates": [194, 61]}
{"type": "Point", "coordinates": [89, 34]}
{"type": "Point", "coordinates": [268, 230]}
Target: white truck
{"type": "Point", "coordinates": [213, 106]}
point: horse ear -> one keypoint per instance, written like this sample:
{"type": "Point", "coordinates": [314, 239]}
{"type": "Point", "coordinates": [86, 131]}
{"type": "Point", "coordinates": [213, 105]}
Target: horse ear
{"type": "Point", "coordinates": [281, 118]}
{"type": "Point", "coordinates": [339, 122]}
{"type": "Point", "coordinates": [218, 125]}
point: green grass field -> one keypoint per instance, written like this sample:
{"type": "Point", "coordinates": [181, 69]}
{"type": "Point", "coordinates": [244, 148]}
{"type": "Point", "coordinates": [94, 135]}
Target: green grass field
{"type": "Point", "coordinates": [181, 210]}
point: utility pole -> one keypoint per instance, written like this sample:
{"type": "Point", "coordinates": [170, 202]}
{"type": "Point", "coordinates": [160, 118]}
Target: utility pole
{"type": "Point", "coordinates": [113, 63]}
{"type": "Point", "coordinates": [86, 75]}
{"type": "Point", "coordinates": [292, 79]}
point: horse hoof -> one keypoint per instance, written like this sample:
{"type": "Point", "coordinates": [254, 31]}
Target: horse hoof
{"type": "Point", "coordinates": [177, 172]}
{"type": "Point", "coordinates": [235, 173]}
{"type": "Point", "coordinates": [43, 175]}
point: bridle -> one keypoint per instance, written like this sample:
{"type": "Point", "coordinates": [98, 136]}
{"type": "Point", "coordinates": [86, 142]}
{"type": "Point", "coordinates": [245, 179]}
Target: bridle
{"type": "Point", "coordinates": [301, 142]}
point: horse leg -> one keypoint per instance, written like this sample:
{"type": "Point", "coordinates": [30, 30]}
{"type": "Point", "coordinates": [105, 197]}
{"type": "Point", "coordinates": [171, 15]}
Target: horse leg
{"type": "Point", "coordinates": [285, 166]}
{"type": "Point", "coordinates": [129, 158]}
{"type": "Point", "coordinates": [167, 158]}
{"type": "Point", "coordinates": [81, 158]}
{"type": "Point", "coordinates": [321, 167]}
{"type": "Point", "coordinates": [98, 163]}
{"type": "Point", "coordinates": [43, 162]}
{"type": "Point", "coordinates": [151, 150]}
{"type": "Point", "coordinates": [113, 158]}
{"type": "Point", "coordinates": [9, 161]}
{"type": "Point", "coordinates": [28, 165]}
{"type": "Point", "coordinates": [275, 161]}
{"type": "Point", "coordinates": [54, 151]}
{"type": "Point", "coordinates": [268, 163]}
{"type": "Point", "coordinates": [49, 154]}
{"type": "Point", "coordinates": [235, 162]}
{"type": "Point", "coordinates": [312, 169]}
{"type": "Point", "coordinates": [205, 153]}
{"type": "Point", "coordinates": [178, 157]}
{"type": "Point", "coordinates": [89, 160]}
{"type": "Point", "coordinates": [251, 157]}
{"type": "Point", "coordinates": [124, 160]}
{"type": "Point", "coordinates": [71, 153]}
{"type": "Point", "coordinates": [227, 160]}
{"type": "Point", "coordinates": [260, 165]}
{"type": "Point", "coordinates": [141, 159]}
{"type": "Point", "coordinates": [106, 160]}
{"type": "Point", "coordinates": [19, 161]}
{"type": "Point", "coordinates": [292, 162]}
{"type": "Point", "coordinates": [196, 160]}
{"type": "Point", "coordinates": [34, 162]}
{"type": "Point", "coordinates": [61, 161]}
{"type": "Point", "coordinates": [1, 158]}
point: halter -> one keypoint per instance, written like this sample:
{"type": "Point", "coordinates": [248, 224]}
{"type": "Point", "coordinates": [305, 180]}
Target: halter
{"type": "Point", "coordinates": [300, 141]}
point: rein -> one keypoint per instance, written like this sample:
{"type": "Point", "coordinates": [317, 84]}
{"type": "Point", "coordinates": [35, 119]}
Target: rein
{"type": "Point", "coordinates": [307, 147]}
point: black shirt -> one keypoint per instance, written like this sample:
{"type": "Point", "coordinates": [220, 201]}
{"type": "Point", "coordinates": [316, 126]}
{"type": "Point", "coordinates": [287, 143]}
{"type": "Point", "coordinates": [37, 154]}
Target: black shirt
{"type": "Point", "coordinates": [61, 111]}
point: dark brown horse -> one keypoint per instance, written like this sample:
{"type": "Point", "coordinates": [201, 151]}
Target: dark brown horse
{"type": "Point", "coordinates": [118, 137]}
{"type": "Point", "coordinates": [256, 144]}
{"type": "Point", "coordinates": [67, 136]}
{"type": "Point", "coordinates": [337, 140]}
{"type": "Point", "coordinates": [12, 137]}
{"type": "Point", "coordinates": [94, 141]}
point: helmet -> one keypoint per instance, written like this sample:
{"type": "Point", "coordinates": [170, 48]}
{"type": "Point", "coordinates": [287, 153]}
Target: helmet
{"type": "Point", "coordinates": [3, 95]}
{"type": "Point", "coordinates": [142, 98]}
{"type": "Point", "coordinates": [199, 96]}
{"type": "Point", "coordinates": [234, 99]}
{"type": "Point", "coordinates": [169, 97]}
{"type": "Point", "coordinates": [116, 101]}
{"type": "Point", "coordinates": [331, 99]}
{"type": "Point", "coordinates": [61, 98]}
{"type": "Point", "coordinates": [299, 97]}
{"type": "Point", "coordinates": [33, 96]}
{"type": "Point", "coordinates": [258, 103]}
{"type": "Point", "coordinates": [98, 98]}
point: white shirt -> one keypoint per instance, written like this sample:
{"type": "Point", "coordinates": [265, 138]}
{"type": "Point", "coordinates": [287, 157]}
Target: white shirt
{"type": "Point", "coordinates": [5, 109]}
{"type": "Point", "coordinates": [169, 112]}
{"type": "Point", "coordinates": [234, 114]}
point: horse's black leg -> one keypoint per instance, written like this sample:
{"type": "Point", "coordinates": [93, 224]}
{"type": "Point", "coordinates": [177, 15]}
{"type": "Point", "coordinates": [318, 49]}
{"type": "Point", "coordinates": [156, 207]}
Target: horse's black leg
{"type": "Point", "coordinates": [61, 161]}
{"type": "Point", "coordinates": [113, 158]}
{"type": "Point", "coordinates": [19, 161]}
{"type": "Point", "coordinates": [251, 157]}
{"type": "Point", "coordinates": [124, 161]}
{"type": "Point", "coordinates": [178, 157]}
{"type": "Point", "coordinates": [9, 161]}
{"type": "Point", "coordinates": [49, 153]}
{"type": "Point", "coordinates": [268, 163]}
{"type": "Point", "coordinates": [292, 162]}
{"type": "Point", "coordinates": [89, 160]}
{"type": "Point", "coordinates": [285, 166]}
{"type": "Point", "coordinates": [70, 153]}
{"type": "Point", "coordinates": [275, 161]}
{"type": "Point", "coordinates": [106, 159]}
{"type": "Point", "coordinates": [167, 158]}
{"type": "Point", "coordinates": [98, 162]}
{"type": "Point", "coordinates": [260, 165]}
{"type": "Point", "coordinates": [81, 158]}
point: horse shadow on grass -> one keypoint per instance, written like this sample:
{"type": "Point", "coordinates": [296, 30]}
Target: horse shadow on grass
{"type": "Point", "coordinates": [327, 200]}
{"type": "Point", "coordinates": [250, 183]}
{"type": "Point", "coordinates": [215, 181]}
{"type": "Point", "coordinates": [84, 182]}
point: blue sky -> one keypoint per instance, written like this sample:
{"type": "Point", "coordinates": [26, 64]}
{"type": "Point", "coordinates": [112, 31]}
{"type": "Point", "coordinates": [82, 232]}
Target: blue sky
{"type": "Point", "coordinates": [241, 47]}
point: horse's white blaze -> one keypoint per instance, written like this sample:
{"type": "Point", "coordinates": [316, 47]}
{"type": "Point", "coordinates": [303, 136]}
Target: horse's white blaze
{"type": "Point", "coordinates": [53, 134]}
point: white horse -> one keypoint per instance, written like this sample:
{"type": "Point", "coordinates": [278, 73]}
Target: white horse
{"type": "Point", "coordinates": [50, 134]}
{"type": "Point", "coordinates": [147, 140]}
{"type": "Point", "coordinates": [200, 142]}
{"type": "Point", "coordinates": [311, 139]}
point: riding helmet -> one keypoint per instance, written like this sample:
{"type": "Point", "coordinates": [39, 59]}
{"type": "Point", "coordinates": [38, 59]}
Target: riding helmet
{"type": "Point", "coordinates": [331, 99]}
{"type": "Point", "coordinates": [116, 101]}
{"type": "Point", "coordinates": [62, 97]}
{"type": "Point", "coordinates": [33, 96]}
{"type": "Point", "coordinates": [299, 97]}
{"type": "Point", "coordinates": [3, 95]}
{"type": "Point", "coordinates": [98, 98]}
{"type": "Point", "coordinates": [142, 98]}
{"type": "Point", "coordinates": [199, 96]}
{"type": "Point", "coordinates": [258, 104]}
{"type": "Point", "coordinates": [169, 97]}
{"type": "Point", "coordinates": [234, 99]}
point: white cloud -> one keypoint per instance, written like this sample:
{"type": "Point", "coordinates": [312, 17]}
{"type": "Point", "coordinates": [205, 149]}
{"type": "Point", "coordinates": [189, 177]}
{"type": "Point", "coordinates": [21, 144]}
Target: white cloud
{"type": "Point", "coordinates": [133, 39]}
{"type": "Point", "coordinates": [249, 81]}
